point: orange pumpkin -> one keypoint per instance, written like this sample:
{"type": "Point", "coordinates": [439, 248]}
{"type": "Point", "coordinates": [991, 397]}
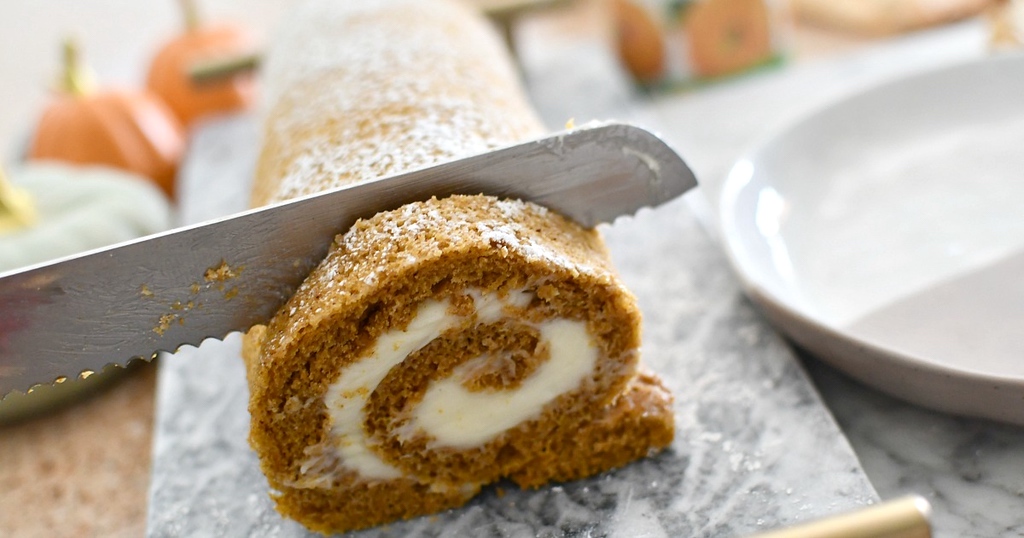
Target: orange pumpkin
{"type": "Point", "coordinates": [725, 36]}
{"type": "Point", "coordinates": [128, 129]}
{"type": "Point", "coordinates": [640, 43]}
{"type": "Point", "coordinates": [169, 72]}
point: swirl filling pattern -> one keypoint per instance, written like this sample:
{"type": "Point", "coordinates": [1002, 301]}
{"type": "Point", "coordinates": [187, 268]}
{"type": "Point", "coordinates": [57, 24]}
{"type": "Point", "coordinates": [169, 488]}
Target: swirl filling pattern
{"type": "Point", "coordinates": [451, 414]}
{"type": "Point", "coordinates": [441, 347]}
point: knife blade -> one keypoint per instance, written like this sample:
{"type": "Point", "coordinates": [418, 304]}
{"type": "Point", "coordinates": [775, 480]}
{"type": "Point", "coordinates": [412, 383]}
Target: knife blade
{"type": "Point", "coordinates": [74, 316]}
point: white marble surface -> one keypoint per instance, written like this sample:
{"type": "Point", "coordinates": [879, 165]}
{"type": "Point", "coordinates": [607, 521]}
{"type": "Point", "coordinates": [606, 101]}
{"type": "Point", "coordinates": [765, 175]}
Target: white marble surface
{"type": "Point", "coordinates": [972, 471]}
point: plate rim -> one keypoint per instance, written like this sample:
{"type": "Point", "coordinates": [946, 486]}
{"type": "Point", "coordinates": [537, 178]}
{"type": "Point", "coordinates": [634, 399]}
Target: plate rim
{"type": "Point", "coordinates": [902, 375]}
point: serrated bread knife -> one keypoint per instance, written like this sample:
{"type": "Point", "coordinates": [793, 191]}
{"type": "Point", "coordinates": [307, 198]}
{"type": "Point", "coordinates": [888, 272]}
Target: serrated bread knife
{"type": "Point", "coordinates": [76, 315]}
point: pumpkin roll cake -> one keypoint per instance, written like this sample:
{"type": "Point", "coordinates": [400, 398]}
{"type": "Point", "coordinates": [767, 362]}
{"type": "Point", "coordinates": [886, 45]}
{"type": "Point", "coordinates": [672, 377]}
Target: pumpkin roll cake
{"type": "Point", "coordinates": [448, 343]}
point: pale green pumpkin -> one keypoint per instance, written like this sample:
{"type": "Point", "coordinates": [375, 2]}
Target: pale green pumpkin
{"type": "Point", "coordinates": [54, 210]}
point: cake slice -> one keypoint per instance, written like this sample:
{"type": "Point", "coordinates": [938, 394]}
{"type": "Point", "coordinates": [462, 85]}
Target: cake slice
{"type": "Point", "coordinates": [449, 343]}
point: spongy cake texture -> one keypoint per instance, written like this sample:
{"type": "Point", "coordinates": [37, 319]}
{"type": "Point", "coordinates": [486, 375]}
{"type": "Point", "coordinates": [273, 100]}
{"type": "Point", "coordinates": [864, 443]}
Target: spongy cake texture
{"type": "Point", "coordinates": [449, 343]}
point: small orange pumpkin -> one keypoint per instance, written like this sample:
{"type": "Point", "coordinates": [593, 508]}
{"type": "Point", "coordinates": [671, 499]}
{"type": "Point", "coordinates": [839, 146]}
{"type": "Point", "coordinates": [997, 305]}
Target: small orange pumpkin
{"type": "Point", "coordinates": [132, 130]}
{"type": "Point", "coordinates": [169, 72]}
{"type": "Point", "coordinates": [725, 36]}
{"type": "Point", "coordinates": [641, 45]}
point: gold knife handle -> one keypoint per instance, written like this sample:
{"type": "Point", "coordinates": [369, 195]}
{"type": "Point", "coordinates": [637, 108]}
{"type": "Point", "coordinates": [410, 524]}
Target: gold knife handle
{"type": "Point", "coordinates": [907, 517]}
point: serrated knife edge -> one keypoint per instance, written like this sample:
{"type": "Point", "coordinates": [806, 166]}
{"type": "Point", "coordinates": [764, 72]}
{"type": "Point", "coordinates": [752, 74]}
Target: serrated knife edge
{"type": "Point", "coordinates": [158, 293]}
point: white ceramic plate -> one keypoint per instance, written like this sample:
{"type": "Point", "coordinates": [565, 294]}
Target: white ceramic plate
{"type": "Point", "coordinates": [885, 233]}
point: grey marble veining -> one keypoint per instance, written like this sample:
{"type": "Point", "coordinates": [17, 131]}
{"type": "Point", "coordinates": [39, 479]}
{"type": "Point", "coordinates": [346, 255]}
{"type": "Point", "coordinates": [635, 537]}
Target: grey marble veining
{"type": "Point", "coordinates": [972, 471]}
{"type": "Point", "coordinates": [755, 447]}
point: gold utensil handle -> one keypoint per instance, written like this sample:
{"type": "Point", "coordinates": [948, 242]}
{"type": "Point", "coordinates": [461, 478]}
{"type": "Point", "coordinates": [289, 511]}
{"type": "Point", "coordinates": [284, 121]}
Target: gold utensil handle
{"type": "Point", "coordinates": [907, 517]}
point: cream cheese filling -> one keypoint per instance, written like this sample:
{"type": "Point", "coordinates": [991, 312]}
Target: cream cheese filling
{"type": "Point", "coordinates": [451, 414]}
{"type": "Point", "coordinates": [347, 397]}
{"type": "Point", "coordinates": [459, 418]}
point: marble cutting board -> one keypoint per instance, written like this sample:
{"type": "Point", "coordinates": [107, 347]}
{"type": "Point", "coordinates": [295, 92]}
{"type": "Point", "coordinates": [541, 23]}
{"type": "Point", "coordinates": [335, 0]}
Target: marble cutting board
{"type": "Point", "coordinates": [755, 447]}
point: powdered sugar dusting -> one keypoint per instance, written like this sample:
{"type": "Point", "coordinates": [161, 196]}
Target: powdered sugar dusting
{"type": "Point", "coordinates": [380, 244]}
{"type": "Point", "coordinates": [378, 88]}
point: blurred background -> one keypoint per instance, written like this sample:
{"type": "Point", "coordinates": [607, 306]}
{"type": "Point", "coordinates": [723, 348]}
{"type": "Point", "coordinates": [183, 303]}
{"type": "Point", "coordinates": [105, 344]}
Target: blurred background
{"type": "Point", "coordinates": [119, 38]}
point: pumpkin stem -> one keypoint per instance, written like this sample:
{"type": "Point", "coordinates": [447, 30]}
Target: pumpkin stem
{"type": "Point", "coordinates": [191, 14]}
{"type": "Point", "coordinates": [17, 208]}
{"type": "Point", "coordinates": [76, 79]}
{"type": "Point", "coordinates": [212, 71]}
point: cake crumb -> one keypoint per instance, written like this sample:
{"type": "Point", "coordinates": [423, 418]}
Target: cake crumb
{"type": "Point", "coordinates": [164, 323]}
{"type": "Point", "coordinates": [221, 273]}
